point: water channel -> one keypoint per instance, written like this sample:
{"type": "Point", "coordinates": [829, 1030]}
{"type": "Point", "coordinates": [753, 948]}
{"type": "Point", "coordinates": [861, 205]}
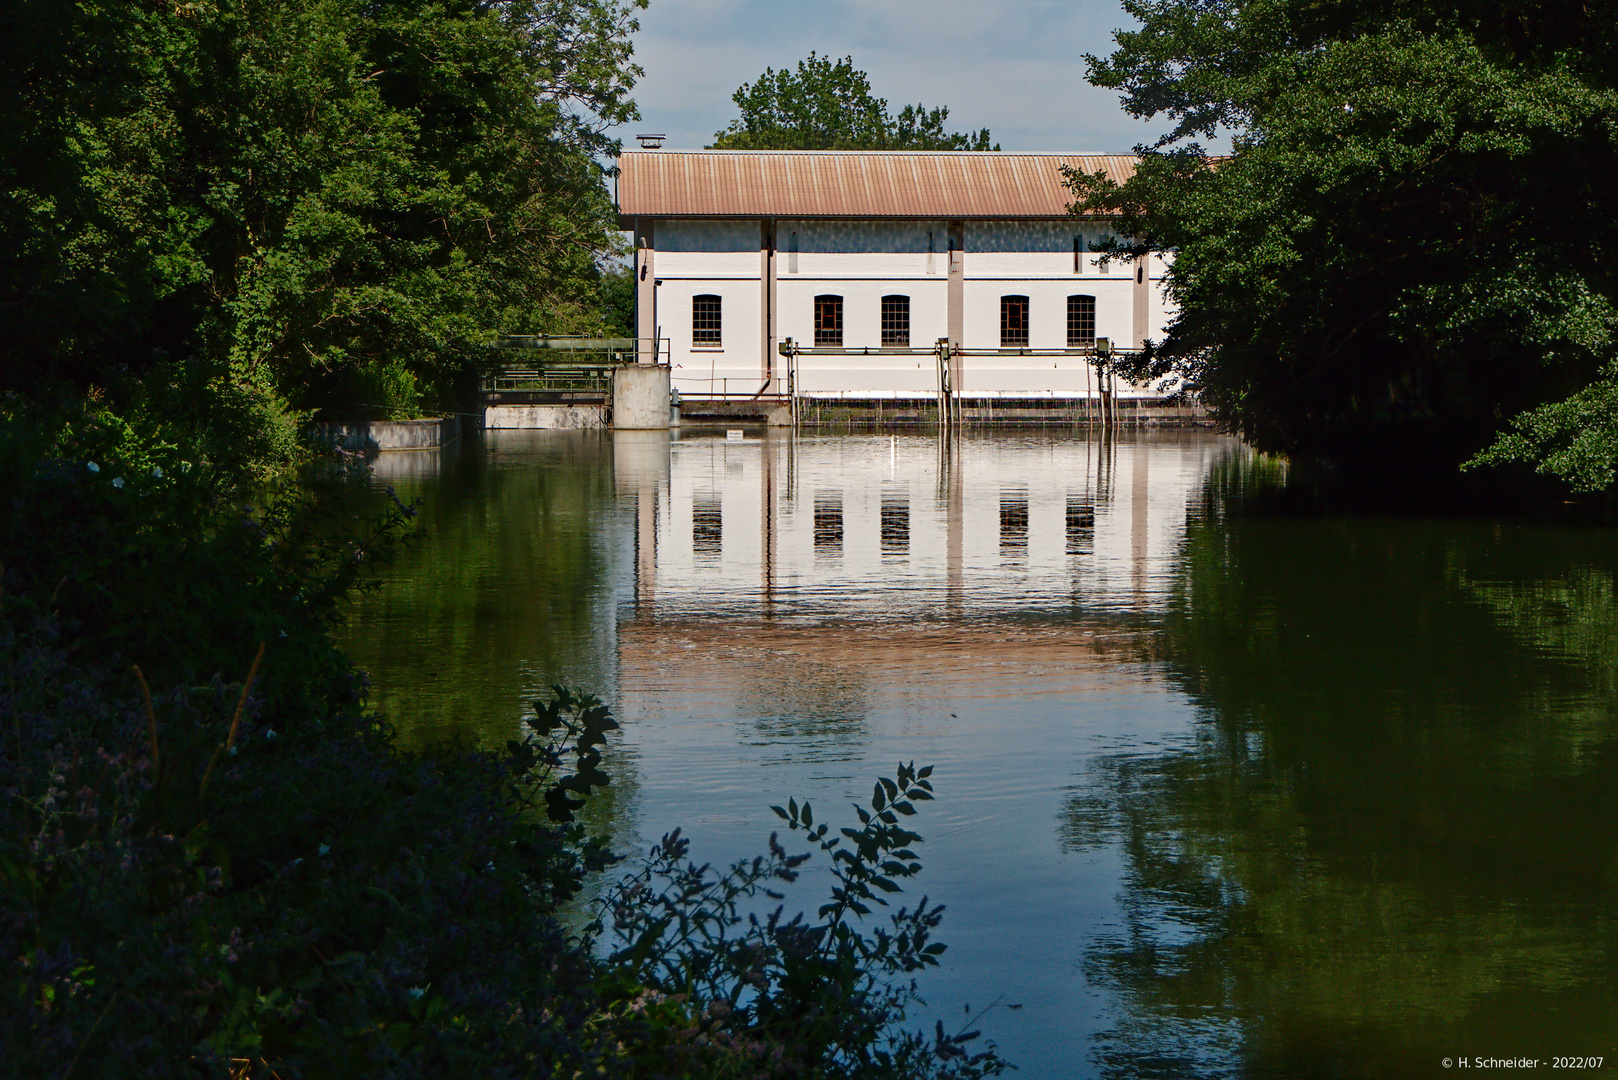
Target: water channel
{"type": "Point", "coordinates": [1220, 793]}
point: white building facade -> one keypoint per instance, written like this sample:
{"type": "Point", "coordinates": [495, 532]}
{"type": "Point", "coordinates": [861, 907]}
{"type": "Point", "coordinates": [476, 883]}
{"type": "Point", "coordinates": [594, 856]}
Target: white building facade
{"type": "Point", "coordinates": [865, 261]}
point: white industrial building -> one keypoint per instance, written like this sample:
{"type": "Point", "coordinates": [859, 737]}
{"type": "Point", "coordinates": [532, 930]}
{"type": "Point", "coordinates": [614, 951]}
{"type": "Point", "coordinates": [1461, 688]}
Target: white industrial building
{"type": "Point", "coordinates": [865, 261]}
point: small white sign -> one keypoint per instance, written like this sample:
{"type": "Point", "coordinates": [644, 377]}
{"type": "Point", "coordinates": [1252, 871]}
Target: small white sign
{"type": "Point", "coordinates": [733, 433]}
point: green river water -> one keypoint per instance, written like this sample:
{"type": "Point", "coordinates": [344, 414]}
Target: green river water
{"type": "Point", "coordinates": [1220, 794]}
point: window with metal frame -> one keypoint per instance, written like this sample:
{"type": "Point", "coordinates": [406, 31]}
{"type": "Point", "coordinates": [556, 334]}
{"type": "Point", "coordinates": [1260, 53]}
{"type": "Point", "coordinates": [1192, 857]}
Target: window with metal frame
{"type": "Point", "coordinates": [1081, 322]}
{"type": "Point", "coordinates": [896, 322]}
{"type": "Point", "coordinates": [1014, 322]}
{"type": "Point", "coordinates": [705, 321]}
{"type": "Point", "coordinates": [828, 322]}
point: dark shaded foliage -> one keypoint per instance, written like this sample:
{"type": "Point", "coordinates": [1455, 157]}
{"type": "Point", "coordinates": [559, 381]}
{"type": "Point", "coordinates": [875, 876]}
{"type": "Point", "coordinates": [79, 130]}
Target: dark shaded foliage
{"type": "Point", "coordinates": [215, 861]}
{"type": "Point", "coordinates": [1407, 247]}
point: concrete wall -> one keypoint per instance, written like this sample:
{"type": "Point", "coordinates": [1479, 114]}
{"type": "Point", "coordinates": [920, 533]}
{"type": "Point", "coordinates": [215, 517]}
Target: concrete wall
{"type": "Point", "coordinates": [544, 417]}
{"type": "Point", "coordinates": [640, 397]}
{"type": "Point", "coordinates": [389, 434]}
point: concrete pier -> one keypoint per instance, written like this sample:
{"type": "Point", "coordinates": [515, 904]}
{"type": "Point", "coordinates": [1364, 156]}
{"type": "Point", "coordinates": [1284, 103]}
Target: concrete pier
{"type": "Point", "coordinates": [640, 397]}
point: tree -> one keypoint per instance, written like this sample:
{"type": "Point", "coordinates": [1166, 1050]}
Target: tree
{"type": "Point", "coordinates": [302, 203]}
{"type": "Point", "coordinates": [828, 105]}
{"type": "Point", "coordinates": [1409, 243]}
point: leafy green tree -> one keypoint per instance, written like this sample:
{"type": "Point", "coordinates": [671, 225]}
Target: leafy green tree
{"type": "Point", "coordinates": [309, 202]}
{"type": "Point", "coordinates": [828, 105]}
{"type": "Point", "coordinates": [1408, 244]}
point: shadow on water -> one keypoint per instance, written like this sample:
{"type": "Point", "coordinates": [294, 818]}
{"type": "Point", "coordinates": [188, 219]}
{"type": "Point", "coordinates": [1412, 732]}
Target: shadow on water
{"type": "Point", "coordinates": [483, 593]}
{"type": "Point", "coordinates": [1390, 839]}
{"type": "Point", "coordinates": [503, 596]}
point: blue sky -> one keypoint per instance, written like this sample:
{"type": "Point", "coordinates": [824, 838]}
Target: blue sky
{"type": "Point", "coordinates": [1015, 68]}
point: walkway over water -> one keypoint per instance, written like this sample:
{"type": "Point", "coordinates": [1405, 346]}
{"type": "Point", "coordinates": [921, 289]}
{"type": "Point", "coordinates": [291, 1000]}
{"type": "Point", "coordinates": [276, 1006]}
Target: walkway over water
{"type": "Point", "coordinates": [549, 378]}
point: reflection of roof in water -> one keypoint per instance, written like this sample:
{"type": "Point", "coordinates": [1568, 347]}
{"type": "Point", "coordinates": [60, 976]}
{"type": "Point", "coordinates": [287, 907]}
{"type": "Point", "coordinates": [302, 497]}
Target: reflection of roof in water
{"type": "Point", "coordinates": [1065, 657]}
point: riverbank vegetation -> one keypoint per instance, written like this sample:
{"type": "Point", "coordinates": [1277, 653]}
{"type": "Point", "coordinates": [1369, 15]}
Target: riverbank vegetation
{"type": "Point", "coordinates": [1402, 266]}
{"type": "Point", "coordinates": [216, 221]}
{"type": "Point", "coordinates": [246, 211]}
{"type": "Point", "coordinates": [216, 860]}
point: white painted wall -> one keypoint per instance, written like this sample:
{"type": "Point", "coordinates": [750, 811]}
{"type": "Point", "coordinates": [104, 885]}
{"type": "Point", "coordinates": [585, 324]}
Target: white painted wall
{"type": "Point", "coordinates": [862, 249]}
{"type": "Point", "coordinates": [862, 261]}
{"type": "Point", "coordinates": [1163, 310]}
{"type": "Point", "coordinates": [1019, 249]}
{"type": "Point", "coordinates": [734, 366]}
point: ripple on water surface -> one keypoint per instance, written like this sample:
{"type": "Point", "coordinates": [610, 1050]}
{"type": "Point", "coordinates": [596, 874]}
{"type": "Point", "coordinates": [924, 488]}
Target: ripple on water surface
{"type": "Point", "coordinates": [1217, 795]}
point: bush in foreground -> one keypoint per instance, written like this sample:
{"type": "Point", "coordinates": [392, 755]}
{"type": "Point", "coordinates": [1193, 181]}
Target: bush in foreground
{"type": "Point", "coordinates": [214, 861]}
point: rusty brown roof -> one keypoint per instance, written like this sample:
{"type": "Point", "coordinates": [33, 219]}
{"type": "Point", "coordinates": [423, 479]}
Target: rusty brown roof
{"type": "Point", "coordinates": [844, 184]}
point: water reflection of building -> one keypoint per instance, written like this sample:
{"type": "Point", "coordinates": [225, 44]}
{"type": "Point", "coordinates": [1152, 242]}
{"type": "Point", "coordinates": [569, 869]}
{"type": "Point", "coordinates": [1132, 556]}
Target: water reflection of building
{"type": "Point", "coordinates": [875, 525]}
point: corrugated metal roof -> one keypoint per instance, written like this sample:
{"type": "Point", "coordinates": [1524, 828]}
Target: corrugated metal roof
{"type": "Point", "coordinates": [844, 184]}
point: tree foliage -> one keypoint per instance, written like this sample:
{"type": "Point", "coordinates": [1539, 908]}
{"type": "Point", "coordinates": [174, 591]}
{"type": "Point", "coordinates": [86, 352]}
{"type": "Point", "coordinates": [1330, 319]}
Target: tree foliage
{"type": "Point", "coordinates": [320, 200]}
{"type": "Point", "coordinates": [828, 105]}
{"type": "Point", "coordinates": [1406, 246]}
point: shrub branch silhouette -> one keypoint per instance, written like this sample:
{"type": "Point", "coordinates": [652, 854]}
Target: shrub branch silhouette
{"type": "Point", "coordinates": [826, 996]}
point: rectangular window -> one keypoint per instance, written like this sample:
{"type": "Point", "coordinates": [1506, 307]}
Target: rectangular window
{"type": "Point", "coordinates": [705, 321]}
{"type": "Point", "coordinates": [828, 322]}
{"type": "Point", "coordinates": [1081, 322]}
{"type": "Point", "coordinates": [1014, 322]}
{"type": "Point", "coordinates": [896, 322]}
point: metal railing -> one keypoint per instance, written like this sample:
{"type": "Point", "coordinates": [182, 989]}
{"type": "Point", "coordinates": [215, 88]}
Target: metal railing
{"type": "Point", "coordinates": [594, 379]}
{"type": "Point", "coordinates": [1097, 356]}
{"type": "Point", "coordinates": [575, 367]}
{"type": "Point", "coordinates": [748, 388]}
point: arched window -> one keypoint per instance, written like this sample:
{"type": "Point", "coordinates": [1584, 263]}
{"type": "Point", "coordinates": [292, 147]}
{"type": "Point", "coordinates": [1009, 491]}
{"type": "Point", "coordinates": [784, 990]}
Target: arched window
{"type": "Point", "coordinates": [705, 321]}
{"type": "Point", "coordinates": [1014, 322]}
{"type": "Point", "coordinates": [896, 322]}
{"type": "Point", "coordinates": [1081, 322]}
{"type": "Point", "coordinates": [828, 322]}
